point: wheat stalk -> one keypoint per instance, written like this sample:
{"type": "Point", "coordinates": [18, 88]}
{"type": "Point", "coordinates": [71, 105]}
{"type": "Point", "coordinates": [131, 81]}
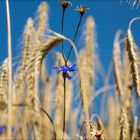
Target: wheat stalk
{"type": "Point", "coordinates": [10, 88]}
{"type": "Point", "coordinates": [113, 111]}
{"type": "Point", "coordinates": [68, 99]}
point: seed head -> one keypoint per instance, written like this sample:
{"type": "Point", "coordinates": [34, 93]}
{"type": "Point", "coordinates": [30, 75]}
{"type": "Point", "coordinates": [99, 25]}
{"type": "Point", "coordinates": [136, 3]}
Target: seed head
{"type": "Point", "coordinates": [82, 9]}
{"type": "Point", "coordinates": [65, 4]}
{"type": "Point", "coordinates": [98, 133]}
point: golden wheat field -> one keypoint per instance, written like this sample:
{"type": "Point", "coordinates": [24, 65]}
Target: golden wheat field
{"type": "Point", "coordinates": [37, 105]}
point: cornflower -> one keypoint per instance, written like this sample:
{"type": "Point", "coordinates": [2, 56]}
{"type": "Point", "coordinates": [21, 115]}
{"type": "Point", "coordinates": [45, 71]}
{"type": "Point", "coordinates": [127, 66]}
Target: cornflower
{"type": "Point", "coordinates": [66, 70]}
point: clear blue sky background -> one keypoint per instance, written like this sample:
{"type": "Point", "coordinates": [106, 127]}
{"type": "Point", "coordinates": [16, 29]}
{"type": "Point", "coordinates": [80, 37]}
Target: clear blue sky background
{"type": "Point", "coordinates": [109, 16]}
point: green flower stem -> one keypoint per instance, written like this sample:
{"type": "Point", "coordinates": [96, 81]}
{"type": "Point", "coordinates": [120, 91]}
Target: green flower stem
{"type": "Point", "coordinates": [64, 126]}
{"type": "Point", "coordinates": [77, 29]}
{"type": "Point", "coordinates": [62, 31]}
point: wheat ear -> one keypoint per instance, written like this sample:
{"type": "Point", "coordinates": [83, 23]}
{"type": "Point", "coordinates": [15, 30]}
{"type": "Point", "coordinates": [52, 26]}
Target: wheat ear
{"type": "Point", "coordinates": [33, 72]}
{"type": "Point", "coordinates": [43, 19]}
{"type": "Point", "coordinates": [88, 54]}
{"type": "Point", "coordinates": [135, 72]}
{"type": "Point", "coordinates": [133, 58]}
{"type": "Point", "coordinates": [3, 94]}
{"type": "Point", "coordinates": [124, 124]}
{"type": "Point", "coordinates": [117, 64]}
{"type": "Point", "coordinates": [126, 76]}
{"type": "Point", "coordinates": [19, 86]}
{"type": "Point", "coordinates": [90, 42]}
{"type": "Point", "coordinates": [4, 85]}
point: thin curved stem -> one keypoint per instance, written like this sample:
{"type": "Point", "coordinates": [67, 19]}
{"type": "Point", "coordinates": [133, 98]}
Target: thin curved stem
{"type": "Point", "coordinates": [69, 41]}
{"type": "Point", "coordinates": [102, 90]}
{"type": "Point", "coordinates": [64, 105]}
{"type": "Point", "coordinates": [33, 132]}
{"type": "Point", "coordinates": [62, 31]}
{"type": "Point", "coordinates": [81, 129]}
{"type": "Point", "coordinates": [77, 29]}
{"type": "Point", "coordinates": [43, 110]}
{"type": "Point", "coordinates": [134, 19]}
{"type": "Point", "coordinates": [64, 119]}
{"type": "Point", "coordinates": [10, 89]}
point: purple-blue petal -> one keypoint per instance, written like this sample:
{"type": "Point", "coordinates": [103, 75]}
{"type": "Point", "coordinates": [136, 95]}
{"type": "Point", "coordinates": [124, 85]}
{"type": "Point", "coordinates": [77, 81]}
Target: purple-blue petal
{"type": "Point", "coordinates": [73, 68]}
{"type": "Point", "coordinates": [2, 128]}
{"type": "Point", "coordinates": [69, 77]}
{"type": "Point", "coordinates": [58, 69]}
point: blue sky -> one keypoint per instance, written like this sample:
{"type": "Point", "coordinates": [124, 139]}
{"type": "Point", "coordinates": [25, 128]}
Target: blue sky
{"type": "Point", "coordinates": [109, 16]}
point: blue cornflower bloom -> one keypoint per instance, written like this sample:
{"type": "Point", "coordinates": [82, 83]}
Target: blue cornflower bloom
{"type": "Point", "coordinates": [66, 69]}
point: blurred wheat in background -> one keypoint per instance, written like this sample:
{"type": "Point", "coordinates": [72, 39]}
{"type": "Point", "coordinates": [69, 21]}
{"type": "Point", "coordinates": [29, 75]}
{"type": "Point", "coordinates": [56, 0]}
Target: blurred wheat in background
{"type": "Point", "coordinates": [35, 104]}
